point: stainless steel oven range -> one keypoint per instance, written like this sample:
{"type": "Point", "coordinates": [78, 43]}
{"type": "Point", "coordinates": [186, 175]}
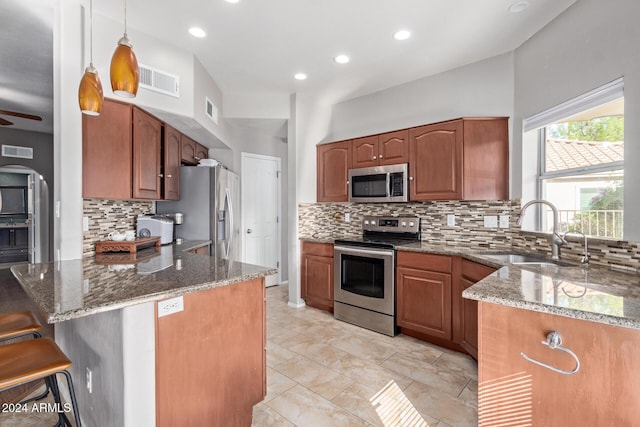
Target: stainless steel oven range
{"type": "Point", "coordinates": [364, 281]}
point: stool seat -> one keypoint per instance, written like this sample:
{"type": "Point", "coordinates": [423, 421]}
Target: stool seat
{"type": "Point", "coordinates": [18, 323]}
{"type": "Point", "coordinates": [30, 360]}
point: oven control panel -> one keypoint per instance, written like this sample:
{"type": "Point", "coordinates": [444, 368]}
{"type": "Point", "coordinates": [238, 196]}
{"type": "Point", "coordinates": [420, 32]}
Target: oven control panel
{"type": "Point", "coordinates": [396, 224]}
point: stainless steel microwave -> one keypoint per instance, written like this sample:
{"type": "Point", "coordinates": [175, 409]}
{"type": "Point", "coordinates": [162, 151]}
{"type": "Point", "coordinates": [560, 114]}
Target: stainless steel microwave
{"type": "Point", "coordinates": [379, 184]}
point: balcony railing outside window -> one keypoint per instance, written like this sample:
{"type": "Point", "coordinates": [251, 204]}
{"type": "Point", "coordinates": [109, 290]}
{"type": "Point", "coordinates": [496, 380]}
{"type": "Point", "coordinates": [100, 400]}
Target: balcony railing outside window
{"type": "Point", "coordinates": [597, 223]}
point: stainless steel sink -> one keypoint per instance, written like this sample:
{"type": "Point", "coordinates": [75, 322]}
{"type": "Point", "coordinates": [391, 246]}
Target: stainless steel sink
{"type": "Point", "coordinates": [530, 260]}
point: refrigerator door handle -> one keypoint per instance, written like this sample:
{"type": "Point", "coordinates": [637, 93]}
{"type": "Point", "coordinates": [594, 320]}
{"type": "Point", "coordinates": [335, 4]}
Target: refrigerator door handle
{"type": "Point", "coordinates": [230, 221]}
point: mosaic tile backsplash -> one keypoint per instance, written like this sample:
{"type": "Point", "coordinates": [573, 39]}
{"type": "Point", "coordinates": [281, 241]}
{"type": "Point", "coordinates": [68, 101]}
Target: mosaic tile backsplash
{"type": "Point", "coordinates": [326, 221]}
{"type": "Point", "coordinates": [106, 216]}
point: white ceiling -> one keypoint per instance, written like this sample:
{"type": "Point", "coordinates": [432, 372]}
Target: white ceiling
{"type": "Point", "coordinates": [256, 46]}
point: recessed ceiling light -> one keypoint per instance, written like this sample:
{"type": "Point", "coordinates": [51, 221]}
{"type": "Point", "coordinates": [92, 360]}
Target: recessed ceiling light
{"type": "Point", "coordinates": [518, 6]}
{"type": "Point", "coordinates": [342, 59]}
{"type": "Point", "coordinates": [232, 1]}
{"type": "Point", "coordinates": [300, 76]}
{"type": "Point", "coordinates": [197, 32]}
{"type": "Point", "coordinates": [402, 35]}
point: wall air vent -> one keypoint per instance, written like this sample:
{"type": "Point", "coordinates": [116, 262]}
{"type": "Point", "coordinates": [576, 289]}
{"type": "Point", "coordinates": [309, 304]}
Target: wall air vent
{"type": "Point", "coordinates": [16, 151]}
{"type": "Point", "coordinates": [211, 110]}
{"type": "Point", "coordinates": [159, 81]}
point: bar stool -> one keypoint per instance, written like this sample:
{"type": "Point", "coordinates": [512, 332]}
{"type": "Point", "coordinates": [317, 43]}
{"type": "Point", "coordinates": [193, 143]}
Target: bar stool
{"type": "Point", "coordinates": [31, 360]}
{"type": "Point", "coordinates": [17, 324]}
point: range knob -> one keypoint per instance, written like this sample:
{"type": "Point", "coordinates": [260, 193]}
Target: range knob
{"type": "Point", "coordinates": [373, 222]}
{"type": "Point", "coordinates": [404, 223]}
{"type": "Point", "coordinates": [411, 224]}
{"type": "Point", "coordinates": [366, 222]}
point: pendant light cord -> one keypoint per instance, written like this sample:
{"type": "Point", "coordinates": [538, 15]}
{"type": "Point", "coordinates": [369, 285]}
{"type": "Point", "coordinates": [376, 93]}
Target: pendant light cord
{"type": "Point", "coordinates": [125, 18]}
{"type": "Point", "coordinates": [91, 32]}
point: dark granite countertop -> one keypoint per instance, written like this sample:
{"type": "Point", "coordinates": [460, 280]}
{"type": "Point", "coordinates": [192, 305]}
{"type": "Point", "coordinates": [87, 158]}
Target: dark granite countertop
{"type": "Point", "coordinates": [594, 293]}
{"type": "Point", "coordinates": [71, 289]}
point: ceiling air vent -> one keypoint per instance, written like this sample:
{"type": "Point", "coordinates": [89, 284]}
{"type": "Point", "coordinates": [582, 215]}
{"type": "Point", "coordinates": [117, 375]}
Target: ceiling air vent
{"type": "Point", "coordinates": [159, 81]}
{"type": "Point", "coordinates": [16, 151]}
{"type": "Point", "coordinates": [211, 110]}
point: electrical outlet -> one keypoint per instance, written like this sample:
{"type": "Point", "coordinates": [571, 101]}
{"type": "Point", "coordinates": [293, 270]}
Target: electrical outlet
{"type": "Point", "coordinates": [451, 220]}
{"type": "Point", "coordinates": [490, 221]}
{"type": "Point", "coordinates": [504, 221]}
{"type": "Point", "coordinates": [347, 217]}
{"type": "Point", "coordinates": [89, 381]}
{"type": "Point", "coordinates": [170, 306]}
{"type": "Point", "coordinates": [85, 223]}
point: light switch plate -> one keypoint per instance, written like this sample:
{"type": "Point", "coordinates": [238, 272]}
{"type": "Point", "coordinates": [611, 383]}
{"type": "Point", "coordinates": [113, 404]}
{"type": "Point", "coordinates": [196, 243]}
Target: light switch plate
{"type": "Point", "coordinates": [347, 217]}
{"type": "Point", "coordinates": [504, 221]}
{"type": "Point", "coordinates": [451, 220]}
{"type": "Point", "coordinates": [490, 221]}
{"type": "Point", "coordinates": [170, 306]}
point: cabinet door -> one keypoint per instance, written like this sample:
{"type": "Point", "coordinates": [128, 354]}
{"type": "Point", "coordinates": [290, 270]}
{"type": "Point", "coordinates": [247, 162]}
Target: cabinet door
{"type": "Point", "coordinates": [107, 152]}
{"type": "Point", "coordinates": [188, 151]}
{"type": "Point", "coordinates": [333, 161]}
{"type": "Point", "coordinates": [604, 392]}
{"type": "Point", "coordinates": [202, 152]}
{"type": "Point", "coordinates": [365, 152]}
{"type": "Point", "coordinates": [435, 166]}
{"type": "Point", "coordinates": [424, 301]}
{"type": "Point", "coordinates": [316, 273]}
{"type": "Point", "coordinates": [147, 137]}
{"type": "Point", "coordinates": [171, 163]}
{"type": "Point", "coordinates": [393, 148]}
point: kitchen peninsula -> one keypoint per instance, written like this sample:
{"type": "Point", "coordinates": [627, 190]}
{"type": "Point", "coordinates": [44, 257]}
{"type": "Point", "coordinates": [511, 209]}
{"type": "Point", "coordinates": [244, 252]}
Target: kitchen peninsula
{"type": "Point", "coordinates": [198, 360]}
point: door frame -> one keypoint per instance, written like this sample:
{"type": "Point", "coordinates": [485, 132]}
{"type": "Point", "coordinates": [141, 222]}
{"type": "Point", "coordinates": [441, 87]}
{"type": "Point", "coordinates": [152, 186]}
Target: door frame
{"type": "Point", "coordinates": [243, 159]}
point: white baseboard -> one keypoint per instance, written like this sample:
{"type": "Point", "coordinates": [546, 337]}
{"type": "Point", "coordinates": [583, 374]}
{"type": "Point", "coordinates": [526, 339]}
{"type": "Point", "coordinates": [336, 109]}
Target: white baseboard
{"type": "Point", "coordinates": [286, 282]}
{"type": "Point", "coordinates": [294, 305]}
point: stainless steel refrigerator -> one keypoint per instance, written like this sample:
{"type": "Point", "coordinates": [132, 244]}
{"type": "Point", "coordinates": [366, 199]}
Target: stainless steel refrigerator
{"type": "Point", "coordinates": [209, 201]}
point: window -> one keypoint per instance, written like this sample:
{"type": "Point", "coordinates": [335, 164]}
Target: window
{"type": "Point", "coordinates": [580, 166]}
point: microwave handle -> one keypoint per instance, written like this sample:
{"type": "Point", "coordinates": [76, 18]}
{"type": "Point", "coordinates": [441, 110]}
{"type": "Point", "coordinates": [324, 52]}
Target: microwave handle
{"type": "Point", "coordinates": [388, 185]}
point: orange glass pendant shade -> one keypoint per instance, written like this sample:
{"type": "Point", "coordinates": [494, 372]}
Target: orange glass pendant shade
{"type": "Point", "coordinates": [90, 95]}
{"type": "Point", "coordinates": [124, 70]}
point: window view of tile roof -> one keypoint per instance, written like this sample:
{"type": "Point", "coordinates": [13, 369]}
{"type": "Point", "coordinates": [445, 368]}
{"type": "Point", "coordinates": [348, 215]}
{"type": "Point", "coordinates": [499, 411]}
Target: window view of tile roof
{"type": "Point", "coordinates": [567, 154]}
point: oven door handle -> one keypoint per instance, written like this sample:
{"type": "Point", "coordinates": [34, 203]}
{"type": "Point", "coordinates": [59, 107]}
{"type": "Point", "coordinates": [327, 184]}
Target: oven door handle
{"type": "Point", "coordinates": [360, 251]}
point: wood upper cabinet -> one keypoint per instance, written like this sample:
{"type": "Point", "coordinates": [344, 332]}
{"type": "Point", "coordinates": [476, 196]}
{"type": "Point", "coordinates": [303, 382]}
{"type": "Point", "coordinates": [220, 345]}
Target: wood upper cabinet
{"type": "Point", "coordinates": [423, 292]}
{"type": "Point", "coordinates": [333, 164]}
{"type": "Point", "coordinates": [604, 392]}
{"type": "Point", "coordinates": [386, 149]}
{"type": "Point", "coordinates": [465, 311]}
{"type": "Point", "coordinates": [171, 163]}
{"type": "Point", "coordinates": [188, 151]}
{"type": "Point", "coordinates": [202, 152]}
{"type": "Point", "coordinates": [107, 152]}
{"type": "Point", "coordinates": [464, 159]}
{"type": "Point", "coordinates": [316, 275]}
{"type": "Point", "coordinates": [147, 141]}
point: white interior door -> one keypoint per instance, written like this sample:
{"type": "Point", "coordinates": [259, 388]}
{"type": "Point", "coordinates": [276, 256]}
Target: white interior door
{"type": "Point", "coordinates": [261, 212]}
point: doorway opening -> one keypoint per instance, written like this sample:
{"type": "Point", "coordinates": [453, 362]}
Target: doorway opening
{"type": "Point", "coordinates": [24, 216]}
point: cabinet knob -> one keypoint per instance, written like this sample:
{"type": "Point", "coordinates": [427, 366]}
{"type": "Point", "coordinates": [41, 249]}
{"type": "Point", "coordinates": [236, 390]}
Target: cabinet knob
{"type": "Point", "coordinates": [160, 175]}
{"type": "Point", "coordinates": [168, 176]}
{"type": "Point", "coordinates": [347, 182]}
{"type": "Point", "coordinates": [374, 157]}
{"type": "Point", "coordinates": [410, 178]}
{"type": "Point", "coordinates": [380, 156]}
{"type": "Point", "coordinates": [196, 158]}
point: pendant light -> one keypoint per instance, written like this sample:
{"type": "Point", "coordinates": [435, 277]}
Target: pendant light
{"type": "Point", "coordinates": [124, 66]}
{"type": "Point", "coordinates": [90, 95]}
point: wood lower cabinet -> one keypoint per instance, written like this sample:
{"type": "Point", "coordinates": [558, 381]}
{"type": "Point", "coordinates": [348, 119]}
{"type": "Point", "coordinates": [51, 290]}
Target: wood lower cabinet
{"type": "Point", "coordinates": [514, 391]}
{"type": "Point", "coordinates": [465, 311]}
{"type": "Point", "coordinates": [423, 293]}
{"type": "Point", "coordinates": [107, 152]}
{"type": "Point", "coordinates": [211, 358]}
{"type": "Point", "coordinates": [333, 164]}
{"type": "Point", "coordinates": [316, 275]}
{"type": "Point", "coordinates": [464, 159]}
{"type": "Point", "coordinates": [377, 150]}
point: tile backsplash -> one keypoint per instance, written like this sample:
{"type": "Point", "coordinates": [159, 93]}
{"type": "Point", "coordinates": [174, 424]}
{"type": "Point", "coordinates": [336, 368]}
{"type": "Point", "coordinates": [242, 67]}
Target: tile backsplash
{"type": "Point", "coordinates": [106, 216]}
{"type": "Point", "coordinates": [326, 221]}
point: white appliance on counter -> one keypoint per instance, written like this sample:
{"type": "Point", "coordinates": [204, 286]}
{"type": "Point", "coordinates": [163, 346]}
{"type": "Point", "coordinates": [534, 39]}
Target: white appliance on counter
{"type": "Point", "coordinates": [155, 225]}
{"type": "Point", "coordinates": [209, 199]}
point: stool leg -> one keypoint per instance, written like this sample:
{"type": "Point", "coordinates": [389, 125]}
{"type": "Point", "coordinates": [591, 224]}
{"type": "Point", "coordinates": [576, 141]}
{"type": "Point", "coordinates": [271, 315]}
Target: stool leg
{"type": "Point", "coordinates": [74, 403]}
{"type": "Point", "coordinates": [63, 421]}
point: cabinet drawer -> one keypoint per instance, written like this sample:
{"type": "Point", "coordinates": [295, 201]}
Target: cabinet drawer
{"type": "Point", "coordinates": [319, 249]}
{"type": "Point", "coordinates": [474, 271]}
{"type": "Point", "coordinates": [440, 263]}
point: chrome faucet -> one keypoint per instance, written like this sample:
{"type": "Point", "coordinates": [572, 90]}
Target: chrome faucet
{"type": "Point", "coordinates": [586, 255]}
{"type": "Point", "coordinates": [556, 240]}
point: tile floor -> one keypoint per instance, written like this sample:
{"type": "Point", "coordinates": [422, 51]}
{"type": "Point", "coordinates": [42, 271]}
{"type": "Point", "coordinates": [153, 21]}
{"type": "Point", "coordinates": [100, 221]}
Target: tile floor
{"type": "Point", "coordinates": [323, 372]}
